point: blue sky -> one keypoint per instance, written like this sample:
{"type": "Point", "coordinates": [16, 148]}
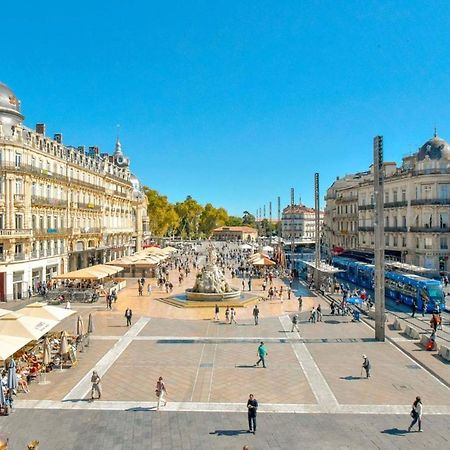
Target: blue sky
{"type": "Point", "coordinates": [234, 102]}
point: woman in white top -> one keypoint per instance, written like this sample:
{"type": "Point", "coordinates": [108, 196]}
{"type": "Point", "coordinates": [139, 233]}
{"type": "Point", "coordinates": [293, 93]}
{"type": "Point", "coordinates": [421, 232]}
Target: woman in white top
{"type": "Point", "coordinates": [416, 414]}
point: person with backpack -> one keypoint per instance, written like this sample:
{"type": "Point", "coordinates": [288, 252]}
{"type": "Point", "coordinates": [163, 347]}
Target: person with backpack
{"type": "Point", "coordinates": [416, 414]}
{"type": "Point", "coordinates": [95, 380]}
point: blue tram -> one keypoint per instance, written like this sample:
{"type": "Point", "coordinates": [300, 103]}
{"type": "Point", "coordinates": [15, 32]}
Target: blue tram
{"type": "Point", "coordinates": [399, 286]}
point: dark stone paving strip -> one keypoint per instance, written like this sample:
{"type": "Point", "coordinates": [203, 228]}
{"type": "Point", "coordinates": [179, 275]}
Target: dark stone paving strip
{"type": "Point", "coordinates": [271, 340]}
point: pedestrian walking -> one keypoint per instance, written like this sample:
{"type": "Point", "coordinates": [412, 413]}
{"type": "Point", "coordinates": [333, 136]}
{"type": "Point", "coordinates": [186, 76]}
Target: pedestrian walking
{"type": "Point", "coordinates": [227, 315]}
{"type": "Point", "coordinates": [319, 313]}
{"type": "Point", "coordinates": [264, 284]}
{"type": "Point", "coordinates": [243, 284]}
{"type": "Point", "coordinates": [256, 314]}
{"type": "Point", "coordinates": [128, 316]}
{"type": "Point", "coordinates": [252, 407]}
{"type": "Point", "coordinates": [295, 323]}
{"type": "Point", "coordinates": [96, 388]}
{"type": "Point", "coordinates": [249, 283]}
{"type": "Point", "coordinates": [262, 353]}
{"type": "Point", "coordinates": [425, 307]}
{"type": "Point", "coordinates": [161, 392]}
{"type": "Point", "coordinates": [216, 312]}
{"type": "Point", "coordinates": [232, 316]}
{"type": "Point", "coordinates": [413, 307]}
{"type": "Point", "coordinates": [312, 316]}
{"type": "Point", "coordinates": [366, 365]}
{"type": "Point", "coordinates": [300, 303]}
{"type": "Point", "coordinates": [140, 289]}
{"type": "Point", "coordinates": [289, 290]}
{"type": "Point", "coordinates": [149, 289]}
{"type": "Point", "coordinates": [416, 414]}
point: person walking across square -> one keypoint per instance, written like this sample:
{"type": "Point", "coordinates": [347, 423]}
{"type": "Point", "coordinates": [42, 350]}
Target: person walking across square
{"type": "Point", "coordinates": [252, 407]}
{"type": "Point", "coordinates": [366, 365]}
{"type": "Point", "coordinates": [300, 303]}
{"type": "Point", "coordinates": [160, 392]}
{"type": "Point", "coordinates": [95, 380]}
{"type": "Point", "coordinates": [416, 414]}
{"type": "Point", "coordinates": [262, 353]}
{"type": "Point", "coordinates": [128, 316]}
{"type": "Point", "coordinates": [295, 323]}
{"type": "Point", "coordinates": [256, 314]}
{"type": "Point", "coordinates": [216, 312]}
{"type": "Point", "coordinates": [232, 316]}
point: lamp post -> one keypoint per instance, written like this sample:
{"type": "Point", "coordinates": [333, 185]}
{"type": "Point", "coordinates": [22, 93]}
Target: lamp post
{"type": "Point", "coordinates": [317, 230]}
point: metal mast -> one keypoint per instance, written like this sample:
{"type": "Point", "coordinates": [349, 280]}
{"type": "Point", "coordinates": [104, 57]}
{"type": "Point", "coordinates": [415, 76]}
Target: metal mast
{"type": "Point", "coordinates": [378, 184]}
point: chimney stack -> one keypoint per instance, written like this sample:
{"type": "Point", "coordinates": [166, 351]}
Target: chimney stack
{"type": "Point", "coordinates": [58, 138]}
{"type": "Point", "coordinates": [40, 128]}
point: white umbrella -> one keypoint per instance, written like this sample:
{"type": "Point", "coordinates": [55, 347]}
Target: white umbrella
{"type": "Point", "coordinates": [12, 381]}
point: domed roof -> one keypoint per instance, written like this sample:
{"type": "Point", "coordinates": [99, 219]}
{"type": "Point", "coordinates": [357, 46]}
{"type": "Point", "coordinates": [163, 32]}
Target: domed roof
{"type": "Point", "coordinates": [7, 98]}
{"type": "Point", "coordinates": [434, 148]}
{"type": "Point", "coordinates": [9, 107]}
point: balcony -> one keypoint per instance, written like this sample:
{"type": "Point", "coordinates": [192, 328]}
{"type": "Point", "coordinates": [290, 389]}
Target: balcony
{"type": "Point", "coordinates": [89, 206]}
{"type": "Point", "coordinates": [396, 229]}
{"type": "Point", "coordinates": [87, 230]}
{"type": "Point", "coordinates": [18, 233]}
{"type": "Point", "coordinates": [430, 201]}
{"type": "Point", "coordinates": [427, 229]}
{"type": "Point", "coordinates": [365, 207]}
{"type": "Point", "coordinates": [366, 228]}
{"type": "Point", "coordinates": [46, 232]}
{"type": "Point", "coordinates": [19, 198]}
{"type": "Point", "coordinates": [398, 204]}
{"type": "Point", "coordinates": [436, 171]}
{"type": "Point", "coordinates": [19, 256]}
{"type": "Point", "coordinates": [346, 199]}
{"type": "Point", "coordinates": [50, 202]}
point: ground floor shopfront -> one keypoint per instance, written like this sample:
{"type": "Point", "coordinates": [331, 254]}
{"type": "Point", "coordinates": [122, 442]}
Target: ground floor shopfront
{"type": "Point", "coordinates": [17, 279]}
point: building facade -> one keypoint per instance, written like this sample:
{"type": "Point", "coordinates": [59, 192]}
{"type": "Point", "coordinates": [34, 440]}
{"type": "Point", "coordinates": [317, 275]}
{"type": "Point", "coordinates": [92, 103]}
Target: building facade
{"type": "Point", "coordinates": [416, 209]}
{"type": "Point", "coordinates": [61, 208]}
{"type": "Point", "coordinates": [235, 234]}
{"type": "Point", "coordinates": [298, 223]}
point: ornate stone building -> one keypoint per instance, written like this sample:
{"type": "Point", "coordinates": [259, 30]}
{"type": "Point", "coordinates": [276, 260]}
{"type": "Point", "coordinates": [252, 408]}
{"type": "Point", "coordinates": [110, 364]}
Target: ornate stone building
{"type": "Point", "coordinates": [298, 221]}
{"type": "Point", "coordinates": [61, 207]}
{"type": "Point", "coordinates": [416, 209]}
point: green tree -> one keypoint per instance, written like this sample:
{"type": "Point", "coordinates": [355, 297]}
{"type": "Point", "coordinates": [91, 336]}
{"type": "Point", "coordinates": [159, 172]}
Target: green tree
{"type": "Point", "coordinates": [189, 212]}
{"type": "Point", "coordinates": [248, 219]}
{"type": "Point", "coordinates": [162, 215]}
{"type": "Point", "coordinates": [234, 221]}
{"type": "Point", "coordinates": [211, 218]}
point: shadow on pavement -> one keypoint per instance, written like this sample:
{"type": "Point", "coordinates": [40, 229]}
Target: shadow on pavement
{"type": "Point", "coordinates": [395, 432]}
{"type": "Point", "coordinates": [229, 432]}
{"type": "Point", "coordinates": [141, 409]}
{"type": "Point", "coordinates": [351, 378]}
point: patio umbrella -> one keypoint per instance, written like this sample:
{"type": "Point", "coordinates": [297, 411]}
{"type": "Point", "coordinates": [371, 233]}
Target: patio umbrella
{"type": "Point", "coordinates": [80, 326]}
{"type": "Point", "coordinates": [64, 346]}
{"type": "Point", "coordinates": [2, 396]}
{"type": "Point", "coordinates": [12, 376]}
{"type": "Point", "coordinates": [90, 328]}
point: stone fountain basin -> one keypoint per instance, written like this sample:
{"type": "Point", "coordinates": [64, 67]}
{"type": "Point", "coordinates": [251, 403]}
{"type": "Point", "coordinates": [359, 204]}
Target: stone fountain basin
{"type": "Point", "coordinates": [212, 297]}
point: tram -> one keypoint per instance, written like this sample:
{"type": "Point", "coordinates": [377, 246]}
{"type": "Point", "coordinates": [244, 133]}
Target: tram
{"type": "Point", "coordinates": [399, 286]}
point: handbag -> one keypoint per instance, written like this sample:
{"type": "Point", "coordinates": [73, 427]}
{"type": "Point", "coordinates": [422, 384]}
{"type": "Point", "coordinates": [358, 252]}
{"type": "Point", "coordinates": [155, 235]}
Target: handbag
{"type": "Point", "coordinates": [413, 413]}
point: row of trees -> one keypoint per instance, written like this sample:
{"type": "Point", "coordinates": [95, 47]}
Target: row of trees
{"type": "Point", "coordinates": [188, 219]}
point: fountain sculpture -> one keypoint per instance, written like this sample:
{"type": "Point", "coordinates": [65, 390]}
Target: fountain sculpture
{"type": "Point", "coordinates": [211, 284]}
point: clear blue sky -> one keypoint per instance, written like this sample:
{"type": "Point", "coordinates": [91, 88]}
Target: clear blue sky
{"type": "Point", "coordinates": [234, 102]}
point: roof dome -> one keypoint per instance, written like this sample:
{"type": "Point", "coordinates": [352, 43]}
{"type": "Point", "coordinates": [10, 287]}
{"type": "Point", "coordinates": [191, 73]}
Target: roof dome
{"type": "Point", "coordinates": [434, 148]}
{"type": "Point", "coordinates": [9, 107]}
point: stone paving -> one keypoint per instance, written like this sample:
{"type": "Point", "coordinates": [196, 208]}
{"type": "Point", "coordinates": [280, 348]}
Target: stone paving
{"type": "Point", "coordinates": [209, 366]}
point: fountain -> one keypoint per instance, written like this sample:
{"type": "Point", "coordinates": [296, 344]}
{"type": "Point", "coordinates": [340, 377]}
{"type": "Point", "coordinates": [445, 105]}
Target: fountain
{"type": "Point", "coordinates": [211, 284]}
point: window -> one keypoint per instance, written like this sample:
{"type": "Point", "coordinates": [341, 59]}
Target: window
{"type": "Point", "coordinates": [403, 195]}
{"type": "Point", "coordinates": [18, 249]}
{"type": "Point", "coordinates": [41, 222]}
{"type": "Point", "coordinates": [33, 189]}
{"type": "Point", "coordinates": [386, 240]}
{"type": "Point", "coordinates": [1, 186]}
{"type": "Point", "coordinates": [19, 221]}
{"type": "Point", "coordinates": [428, 243]}
{"type": "Point", "coordinates": [426, 191]}
{"type": "Point", "coordinates": [403, 221]}
{"type": "Point", "coordinates": [386, 197]}
{"type": "Point", "coordinates": [395, 221]}
{"type": "Point", "coordinates": [19, 186]}
{"type": "Point", "coordinates": [443, 220]}
{"type": "Point", "coordinates": [394, 194]}
{"type": "Point", "coordinates": [49, 221]}
{"type": "Point", "coordinates": [395, 241]}
{"type": "Point", "coordinates": [33, 222]}
{"type": "Point", "coordinates": [49, 191]}
{"type": "Point", "coordinates": [443, 191]}
{"type": "Point", "coordinates": [387, 221]}
{"type": "Point", "coordinates": [417, 242]}
{"type": "Point", "coordinates": [443, 243]}
{"type": "Point", "coordinates": [404, 241]}
{"type": "Point", "coordinates": [417, 192]}
{"type": "Point", "coordinates": [2, 221]}
{"type": "Point", "coordinates": [18, 159]}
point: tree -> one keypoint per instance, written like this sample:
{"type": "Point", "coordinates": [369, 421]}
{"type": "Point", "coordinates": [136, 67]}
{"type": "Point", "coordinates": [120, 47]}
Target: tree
{"type": "Point", "coordinates": [162, 215]}
{"type": "Point", "coordinates": [211, 218]}
{"type": "Point", "coordinates": [248, 219]}
{"type": "Point", "coordinates": [234, 221]}
{"type": "Point", "coordinates": [189, 213]}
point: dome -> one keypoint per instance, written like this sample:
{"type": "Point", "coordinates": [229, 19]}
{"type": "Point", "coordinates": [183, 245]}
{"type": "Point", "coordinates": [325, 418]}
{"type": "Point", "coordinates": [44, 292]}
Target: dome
{"type": "Point", "coordinates": [135, 182]}
{"type": "Point", "coordinates": [9, 107]}
{"type": "Point", "coordinates": [434, 148]}
{"type": "Point", "coordinates": [119, 158]}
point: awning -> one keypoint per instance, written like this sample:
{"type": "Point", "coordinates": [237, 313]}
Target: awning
{"type": "Point", "coordinates": [263, 262]}
{"type": "Point", "coordinates": [32, 328]}
{"type": "Point", "coordinates": [10, 345]}
{"type": "Point", "coordinates": [324, 268]}
{"type": "Point", "coordinates": [91, 273]}
{"type": "Point", "coordinates": [44, 311]}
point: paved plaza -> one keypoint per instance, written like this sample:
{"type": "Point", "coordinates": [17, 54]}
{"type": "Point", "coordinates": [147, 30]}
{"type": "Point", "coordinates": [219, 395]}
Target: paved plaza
{"type": "Point", "coordinates": [311, 394]}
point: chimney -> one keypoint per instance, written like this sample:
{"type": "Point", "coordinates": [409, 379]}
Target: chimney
{"type": "Point", "coordinates": [40, 128]}
{"type": "Point", "coordinates": [58, 138]}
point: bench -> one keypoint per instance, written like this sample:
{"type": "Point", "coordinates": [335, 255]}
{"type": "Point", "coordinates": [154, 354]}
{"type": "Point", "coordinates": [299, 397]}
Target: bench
{"type": "Point", "coordinates": [412, 332]}
{"type": "Point", "coordinates": [444, 352]}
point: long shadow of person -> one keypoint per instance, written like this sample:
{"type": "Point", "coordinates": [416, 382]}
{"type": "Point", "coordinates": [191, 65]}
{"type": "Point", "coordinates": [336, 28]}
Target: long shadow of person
{"type": "Point", "coordinates": [229, 432]}
{"type": "Point", "coordinates": [395, 432]}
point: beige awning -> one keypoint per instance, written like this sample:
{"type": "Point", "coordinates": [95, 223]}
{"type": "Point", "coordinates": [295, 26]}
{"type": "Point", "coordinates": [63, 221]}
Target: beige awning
{"type": "Point", "coordinates": [44, 311]}
{"type": "Point", "coordinates": [10, 345]}
{"type": "Point", "coordinates": [91, 273]}
{"type": "Point", "coordinates": [257, 256]}
{"type": "Point", "coordinates": [263, 262]}
{"type": "Point", "coordinates": [32, 328]}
